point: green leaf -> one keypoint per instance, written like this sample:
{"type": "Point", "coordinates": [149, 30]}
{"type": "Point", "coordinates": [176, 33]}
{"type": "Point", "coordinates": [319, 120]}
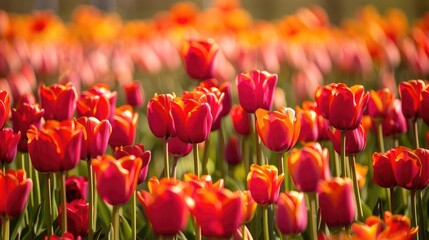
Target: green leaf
{"type": "Point", "coordinates": [126, 232]}
{"type": "Point", "coordinates": [103, 213]}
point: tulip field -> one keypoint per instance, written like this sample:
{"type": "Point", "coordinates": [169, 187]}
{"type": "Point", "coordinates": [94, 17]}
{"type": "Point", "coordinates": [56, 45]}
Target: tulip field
{"type": "Point", "coordinates": [212, 124]}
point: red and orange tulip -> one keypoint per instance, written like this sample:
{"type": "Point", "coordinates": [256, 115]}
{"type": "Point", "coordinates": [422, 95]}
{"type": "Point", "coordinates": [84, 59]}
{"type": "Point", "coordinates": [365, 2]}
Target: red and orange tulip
{"type": "Point", "coordinates": [199, 57]}
{"type": "Point", "coordinates": [8, 145]}
{"type": "Point", "coordinates": [249, 206]}
{"type": "Point", "coordinates": [116, 178]}
{"type": "Point", "coordinates": [159, 116]}
{"type": "Point", "coordinates": [291, 213]}
{"type": "Point", "coordinates": [411, 94]}
{"type": "Point", "coordinates": [240, 120]}
{"type": "Point", "coordinates": [23, 117]}
{"type": "Point", "coordinates": [4, 107]}
{"type": "Point", "coordinates": [58, 101]}
{"type": "Point", "coordinates": [355, 140]}
{"type": "Point", "coordinates": [264, 183]}
{"type": "Point", "coordinates": [379, 103]}
{"type": "Point", "coordinates": [103, 91]}
{"type": "Point", "coordinates": [14, 188]}
{"type": "Point", "coordinates": [226, 100]}
{"type": "Point", "coordinates": [95, 138]}
{"type": "Point", "coordinates": [123, 127]}
{"type": "Point", "coordinates": [309, 125]}
{"type": "Point", "coordinates": [139, 152]}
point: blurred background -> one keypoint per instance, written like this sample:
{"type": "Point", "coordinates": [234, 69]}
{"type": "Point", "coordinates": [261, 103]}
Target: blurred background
{"type": "Point", "coordinates": [267, 9]}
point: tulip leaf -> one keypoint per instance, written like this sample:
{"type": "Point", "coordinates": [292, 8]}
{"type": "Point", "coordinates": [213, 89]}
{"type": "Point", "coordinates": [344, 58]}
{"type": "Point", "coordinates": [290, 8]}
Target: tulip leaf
{"type": "Point", "coordinates": [126, 231]}
{"type": "Point", "coordinates": [19, 226]}
{"type": "Point", "coordinates": [103, 212]}
{"type": "Point", "coordinates": [366, 210]}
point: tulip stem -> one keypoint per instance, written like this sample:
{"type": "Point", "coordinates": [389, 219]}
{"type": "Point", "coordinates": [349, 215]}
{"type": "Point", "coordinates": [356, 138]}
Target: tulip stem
{"type": "Point", "coordinates": [196, 159]}
{"type": "Point", "coordinates": [352, 162]}
{"type": "Point", "coordinates": [3, 167]}
{"type": "Point", "coordinates": [33, 172]}
{"type": "Point", "coordinates": [48, 206]}
{"type": "Point", "coordinates": [63, 201]}
{"type": "Point", "coordinates": [265, 223]}
{"type": "Point", "coordinates": [257, 142]}
{"type": "Point", "coordinates": [91, 199]}
{"type": "Point", "coordinates": [221, 153]}
{"type": "Point", "coordinates": [380, 135]}
{"type": "Point", "coordinates": [414, 211]}
{"type": "Point", "coordinates": [6, 228]}
{"type": "Point", "coordinates": [115, 221]}
{"type": "Point", "coordinates": [343, 154]}
{"type": "Point", "coordinates": [245, 151]}
{"type": "Point", "coordinates": [313, 214]}
{"type": "Point", "coordinates": [174, 171]}
{"type": "Point", "coordinates": [244, 232]}
{"type": "Point", "coordinates": [416, 133]}
{"type": "Point", "coordinates": [421, 218]}
{"type": "Point", "coordinates": [206, 156]}
{"type": "Point", "coordinates": [166, 161]}
{"type": "Point", "coordinates": [134, 217]}
{"type": "Point", "coordinates": [389, 195]}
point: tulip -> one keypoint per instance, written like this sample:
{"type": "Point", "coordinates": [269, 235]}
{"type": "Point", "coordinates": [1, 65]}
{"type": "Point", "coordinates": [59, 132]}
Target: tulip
{"type": "Point", "coordinates": [77, 217]}
{"type": "Point", "coordinates": [232, 151]}
{"type": "Point", "coordinates": [249, 206]}
{"type": "Point", "coordinates": [76, 188]}
{"type": "Point", "coordinates": [23, 117]}
{"type": "Point", "coordinates": [256, 90]}
{"type": "Point", "coordinates": [192, 118]}
{"type": "Point", "coordinates": [411, 95]}
{"type": "Point", "coordinates": [226, 100]}
{"type": "Point", "coordinates": [159, 116]}
{"type": "Point", "coordinates": [134, 94]}
{"type": "Point", "coordinates": [379, 103]}
{"type": "Point", "coordinates": [117, 179]}
{"type": "Point", "coordinates": [178, 148]}
{"type": "Point", "coordinates": [309, 125]}
{"type": "Point", "coordinates": [355, 140]}
{"type": "Point", "coordinates": [103, 91]}
{"type": "Point", "coordinates": [291, 213]}
{"type": "Point", "coordinates": [139, 152]}
{"type": "Point", "coordinates": [90, 105]}
{"type": "Point", "coordinates": [96, 137]}
{"type": "Point", "coordinates": [264, 183]}
{"type": "Point", "coordinates": [58, 101]}
{"type": "Point", "coordinates": [336, 194]}
{"type": "Point", "coordinates": [279, 130]}
{"type": "Point", "coordinates": [194, 182]}
{"type": "Point", "coordinates": [309, 165]}
{"type": "Point", "coordinates": [218, 212]}
{"type": "Point", "coordinates": [4, 107]}
{"type": "Point", "coordinates": [395, 122]}
{"type": "Point", "coordinates": [14, 188]}
{"type": "Point", "coordinates": [123, 127]}
{"type": "Point", "coordinates": [198, 56]}
{"type": "Point", "coordinates": [383, 172]}
{"type": "Point", "coordinates": [55, 148]}
{"type": "Point", "coordinates": [165, 206]}
{"type": "Point", "coordinates": [240, 120]}
{"type": "Point", "coordinates": [8, 145]}
{"type": "Point", "coordinates": [65, 236]}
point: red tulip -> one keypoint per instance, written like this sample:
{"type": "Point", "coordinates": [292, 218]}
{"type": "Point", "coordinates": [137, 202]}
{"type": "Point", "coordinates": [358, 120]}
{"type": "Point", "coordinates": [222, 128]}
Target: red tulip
{"type": "Point", "coordinates": [56, 147]}
{"type": "Point", "coordinates": [194, 183]}
{"type": "Point", "coordinates": [218, 212]}
{"type": "Point", "coordinates": [198, 56]}
{"type": "Point", "coordinates": [309, 125]}
{"type": "Point", "coordinates": [138, 151]}
{"type": "Point", "coordinates": [178, 148]}
{"type": "Point", "coordinates": [165, 206]}
{"type": "Point", "coordinates": [4, 107]}
{"type": "Point", "coordinates": [134, 93]}
{"type": "Point", "coordinates": [291, 213]}
{"type": "Point", "coordinates": [8, 145]}
{"type": "Point", "coordinates": [103, 91]}
{"type": "Point", "coordinates": [76, 188]}
{"type": "Point", "coordinates": [159, 116]}
{"type": "Point", "coordinates": [233, 151]}
{"type": "Point", "coordinates": [96, 137]}
{"type": "Point", "coordinates": [240, 120]}
{"type": "Point", "coordinates": [424, 103]}
{"type": "Point", "coordinates": [355, 140]}
{"type": "Point", "coordinates": [264, 183]}
{"type": "Point", "coordinates": [337, 194]}
{"type": "Point", "coordinates": [65, 236]}
{"type": "Point", "coordinates": [256, 90]}
{"type": "Point", "coordinates": [77, 217]}
{"type": "Point", "coordinates": [395, 122]}
{"type": "Point", "coordinates": [58, 101]}
{"type": "Point", "coordinates": [379, 103]}
{"type": "Point", "coordinates": [309, 165]}
{"type": "Point", "coordinates": [116, 179]}
{"type": "Point", "coordinates": [123, 127]}
{"type": "Point", "coordinates": [226, 100]}
{"type": "Point", "coordinates": [23, 117]}
{"type": "Point", "coordinates": [410, 168]}
{"type": "Point", "coordinates": [90, 105]}
{"type": "Point", "coordinates": [249, 206]}
{"type": "Point", "coordinates": [279, 130]}
{"type": "Point", "coordinates": [14, 188]}
{"type": "Point", "coordinates": [383, 172]}
{"type": "Point", "coordinates": [192, 118]}
{"type": "Point", "coordinates": [411, 96]}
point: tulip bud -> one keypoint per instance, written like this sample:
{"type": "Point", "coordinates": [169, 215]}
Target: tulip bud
{"type": "Point", "coordinates": [76, 188]}
{"type": "Point", "coordinates": [178, 148]}
{"type": "Point", "coordinates": [411, 94]}
{"type": "Point", "coordinates": [240, 120]}
{"type": "Point", "coordinates": [233, 151]}
{"type": "Point", "coordinates": [134, 94]}
{"type": "Point", "coordinates": [291, 213]}
{"type": "Point", "coordinates": [77, 217]}
{"type": "Point", "coordinates": [264, 183]}
{"type": "Point", "coordinates": [199, 58]}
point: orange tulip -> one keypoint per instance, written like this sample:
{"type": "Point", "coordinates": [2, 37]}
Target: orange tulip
{"type": "Point", "coordinates": [14, 191]}
{"type": "Point", "coordinates": [159, 116]}
{"type": "Point", "coordinates": [249, 206]}
{"type": "Point", "coordinates": [379, 103]}
{"type": "Point", "coordinates": [411, 94]}
{"type": "Point", "coordinates": [199, 57]}
{"type": "Point", "coordinates": [98, 101]}
{"type": "Point", "coordinates": [264, 183]}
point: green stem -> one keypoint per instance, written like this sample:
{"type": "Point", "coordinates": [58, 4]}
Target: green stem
{"type": "Point", "coordinates": [91, 199]}
{"type": "Point", "coordinates": [265, 223]}
{"type": "Point", "coordinates": [48, 212]}
{"type": "Point", "coordinates": [416, 133]}
{"type": "Point", "coordinates": [134, 217]}
{"type": "Point", "coordinates": [313, 214]}
{"type": "Point", "coordinates": [31, 205]}
{"type": "Point", "coordinates": [197, 230]}
{"type": "Point", "coordinates": [38, 199]}
{"type": "Point", "coordinates": [343, 154]}
{"type": "Point", "coordinates": [352, 161]}
{"type": "Point", "coordinates": [115, 221]}
{"type": "Point", "coordinates": [257, 142]}
{"type": "Point", "coordinates": [206, 156]}
{"type": "Point", "coordinates": [174, 171]}
{"type": "Point", "coordinates": [196, 159]}
{"type": "Point", "coordinates": [243, 231]}
{"type": "Point", "coordinates": [94, 199]}
{"type": "Point", "coordinates": [389, 195]}
{"type": "Point", "coordinates": [281, 166]}
{"type": "Point", "coordinates": [166, 161]}
{"type": "Point", "coordinates": [221, 153]}
{"type": "Point", "coordinates": [245, 151]}
{"type": "Point", "coordinates": [6, 228]}
{"type": "Point", "coordinates": [380, 135]}
{"type": "Point", "coordinates": [63, 202]}
{"type": "Point", "coordinates": [421, 218]}
{"type": "Point", "coordinates": [336, 164]}
{"type": "Point", "coordinates": [414, 211]}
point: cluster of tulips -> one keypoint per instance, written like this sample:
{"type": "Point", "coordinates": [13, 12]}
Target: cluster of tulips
{"type": "Point", "coordinates": [73, 162]}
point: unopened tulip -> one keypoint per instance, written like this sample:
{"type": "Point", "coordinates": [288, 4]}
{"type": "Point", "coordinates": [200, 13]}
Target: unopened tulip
{"type": "Point", "coordinates": [194, 182]}
{"type": "Point", "coordinates": [96, 137]}
{"type": "Point", "coordinates": [309, 165]}
{"type": "Point", "coordinates": [336, 201]}
{"type": "Point", "coordinates": [264, 183]}
{"type": "Point", "coordinates": [240, 120]}
{"type": "Point", "coordinates": [410, 168]}
{"type": "Point", "coordinates": [249, 206]}
{"type": "Point", "coordinates": [178, 148]}
{"type": "Point", "coordinates": [379, 103]}
{"type": "Point", "coordinates": [123, 127]}
{"type": "Point", "coordinates": [383, 172]}
{"type": "Point", "coordinates": [138, 151]}
{"type": "Point", "coordinates": [91, 105]}
{"type": "Point", "coordinates": [355, 140]}
{"type": "Point", "coordinates": [199, 57]}
{"type": "Point", "coordinates": [116, 178]}
{"type": "Point", "coordinates": [279, 130]}
{"type": "Point", "coordinates": [256, 90]}
{"type": "Point", "coordinates": [226, 100]}
{"type": "Point", "coordinates": [159, 116]}
{"type": "Point", "coordinates": [76, 188]}
{"type": "Point", "coordinates": [233, 151]}
{"type": "Point", "coordinates": [14, 188]}
{"type": "Point", "coordinates": [134, 94]}
{"type": "Point", "coordinates": [411, 94]}
{"type": "Point", "coordinates": [77, 217]}
{"type": "Point", "coordinates": [4, 107]}
{"type": "Point", "coordinates": [8, 145]}
{"type": "Point", "coordinates": [58, 101]}
{"type": "Point", "coordinates": [103, 91]}
{"type": "Point", "coordinates": [165, 206]}
{"type": "Point", "coordinates": [395, 122]}
{"type": "Point", "coordinates": [23, 117]}
{"type": "Point", "coordinates": [291, 213]}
